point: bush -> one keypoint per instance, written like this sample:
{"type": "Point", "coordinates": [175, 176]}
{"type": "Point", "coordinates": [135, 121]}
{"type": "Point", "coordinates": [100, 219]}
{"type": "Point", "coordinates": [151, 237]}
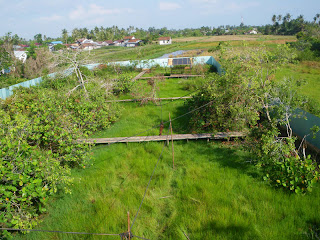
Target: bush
{"type": "Point", "coordinates": [39, 128]}
{"type": "Point", "coordinates": [283, 167]}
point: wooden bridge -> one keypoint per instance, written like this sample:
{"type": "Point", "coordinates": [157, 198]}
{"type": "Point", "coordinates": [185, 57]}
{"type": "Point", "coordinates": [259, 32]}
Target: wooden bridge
{"type": "Point", "coordinates": [149, 99]}
{"type": "Point", "coordinates": [171, 76]}
{"type": "Point", "coordinates": [208, 136]}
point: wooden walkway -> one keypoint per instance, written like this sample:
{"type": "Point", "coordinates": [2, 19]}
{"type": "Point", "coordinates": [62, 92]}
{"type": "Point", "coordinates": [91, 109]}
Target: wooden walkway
{"type": "Point", "coordinates": [149, 99]}
{"type": "Point", "coordinates": [171, 76]}
{"type": "Point", "coordinates": [219, 135]}
{"type": "Point", "coordinates": [139, 75]}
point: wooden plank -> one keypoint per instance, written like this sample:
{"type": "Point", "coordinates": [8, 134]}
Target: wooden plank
{"type": "Point", "coordinates": [171, 76]}
{"type": "Point", "coordinates": [219, 135]}
{"type": "Point", "coordinates": [149, 99]}
{"type": "Point", "coordinates": [139, 75]}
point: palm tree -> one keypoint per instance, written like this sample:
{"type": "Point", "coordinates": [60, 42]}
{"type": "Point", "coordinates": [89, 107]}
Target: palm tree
{"type": "Point", "coordinates": [65, 35]}
{"type": "Point", "coordinates": [274, 19]}
{"type": "Point", "coordinates": [279, 18]}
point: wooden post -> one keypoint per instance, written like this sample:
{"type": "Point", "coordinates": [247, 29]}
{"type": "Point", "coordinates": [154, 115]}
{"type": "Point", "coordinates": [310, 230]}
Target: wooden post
{"type": "Point", "coordinates": [172, 142]}
{"type": "Point", "coordinates": [129, 225]}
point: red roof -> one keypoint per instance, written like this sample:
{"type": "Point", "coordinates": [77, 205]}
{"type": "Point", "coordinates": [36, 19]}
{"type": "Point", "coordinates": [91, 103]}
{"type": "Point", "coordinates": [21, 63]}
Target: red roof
{"type": "Point", "coordinates": [164, 38]}
{"type": "Point", "coordinates": [128, 37]}
{"type": "Point", "coordinates": [134, 40]}
{"type": "Point", "coordinates": [108, 41]}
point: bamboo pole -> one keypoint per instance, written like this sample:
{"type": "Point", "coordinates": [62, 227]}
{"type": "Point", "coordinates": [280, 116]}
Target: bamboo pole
{"type": "Point", "coordinates": [172, 142]}
{"type": "Point", "coordinates": [129, 225]}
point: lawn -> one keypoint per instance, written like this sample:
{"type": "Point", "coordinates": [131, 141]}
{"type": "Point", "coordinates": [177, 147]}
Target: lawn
{"type": "Point", "coordinates": [212, 193]}
{"type": "Point", "coordinates": [309, 74]}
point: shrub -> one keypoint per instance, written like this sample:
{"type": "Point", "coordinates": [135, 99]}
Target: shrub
{"type": "Point", "coordinates": [39, 128]}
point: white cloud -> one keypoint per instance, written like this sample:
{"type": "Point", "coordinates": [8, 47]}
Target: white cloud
{"type": "Point", "coordinates": [52, 18]}
{"type": "Point", "coordinates": [168, 6]}
{"type": "Point", "coordinates": [95, 11]}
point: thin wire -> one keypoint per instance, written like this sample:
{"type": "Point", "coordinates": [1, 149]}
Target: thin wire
{"type": "Point", "coordinates": [187, 95]}
{"type": "Point", "coordinates": [145, 192]}
{"type": "Point", "coordinates": [140, 237]}
{"type": "Point", "coordinates": [38, 230]}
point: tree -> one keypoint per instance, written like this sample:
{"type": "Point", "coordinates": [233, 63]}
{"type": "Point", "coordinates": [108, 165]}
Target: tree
{"type": "Point", "coordinates": [65, 35]}
{"type": "Point", "coordinates": [38, 38]}
{"type": "Point", "coordinates": [274, 19]}
{"type": "Point", "coordinates": [6, 59]}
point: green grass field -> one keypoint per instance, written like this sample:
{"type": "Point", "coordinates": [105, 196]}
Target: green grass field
{"type": "Point", "coordinates": [309, 73]}
{"type": "Point", "coordinates": [212, 193]}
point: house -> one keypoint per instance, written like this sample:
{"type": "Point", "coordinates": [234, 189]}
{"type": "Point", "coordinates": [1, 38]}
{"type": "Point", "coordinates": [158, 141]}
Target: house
{"type": "Point", "coordinates": [21, 55]}
{"type": "Point", "coordinates": [165, 40]}
{"type": "Point", "coordinates": [17, 48]}
{"type": "Point", "coordinates": [119, 43]}
{"type": "Point", "coordinates": [133, 43]}
{"type": "Point", "coordinates": [89, 46]}
{"type": "Point", "coordinates": [107, 43]}
{"type": "Point", "coordinates": [128, 38]}
{"type": "Point", "coordinates": [253, 31]}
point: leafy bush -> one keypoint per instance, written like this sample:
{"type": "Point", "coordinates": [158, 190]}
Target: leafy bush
{"type": "Point", "coordinates": [283, 167]}
{"type": "Point", "coordinates": [229, 98]}
{"type": "Point", "coordinates": [39, 129]}
{"type": "Point", "coordinates": [123, 84]}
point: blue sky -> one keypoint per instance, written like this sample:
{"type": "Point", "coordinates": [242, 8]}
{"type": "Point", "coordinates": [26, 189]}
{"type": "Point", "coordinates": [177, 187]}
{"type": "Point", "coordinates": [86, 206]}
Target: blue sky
{"type": "Point", "coordinates": [29, 17]}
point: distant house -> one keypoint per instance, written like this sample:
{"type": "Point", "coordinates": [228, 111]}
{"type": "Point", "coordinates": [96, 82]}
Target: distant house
{"type": "Point", "coordinates": [21, 55]}
{"type": "Point", "coordinates": [253, 31]}
{"type": "Point", "coordinates": [17, 48]}
{"type": "Point", "coordinates": [165, 40]}
{"type": "Point", "coordinates": [90, 46]}
{"type": "Point", "coordinates": [128, 38]}
{"type": "Point", "coordinates": [133, 43]}
{"type": "Point", "coordinates": [118, 43]}
{"type": "Point", "coordinates": [108, 42]}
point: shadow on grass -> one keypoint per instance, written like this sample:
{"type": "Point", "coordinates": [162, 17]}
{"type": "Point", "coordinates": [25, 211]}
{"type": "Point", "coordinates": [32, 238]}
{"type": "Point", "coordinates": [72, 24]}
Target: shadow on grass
{"type": "Point", "coordinates": [227, 156]}
{"type": "Point", "coordinates": [236, 231]}
{"type": "Point", "coordinates": [181, 125]}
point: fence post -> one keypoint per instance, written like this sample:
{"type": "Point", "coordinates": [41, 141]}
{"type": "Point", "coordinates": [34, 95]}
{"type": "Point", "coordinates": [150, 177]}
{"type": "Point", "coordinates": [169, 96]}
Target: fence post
{"type": "Point", "coordinates": [171, 142]}
{"type": "Point", "coordinates": [129, 225]}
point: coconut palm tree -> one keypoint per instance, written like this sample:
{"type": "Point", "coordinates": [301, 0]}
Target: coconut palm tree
{"type": "Point", "coordinates": [65, 35]}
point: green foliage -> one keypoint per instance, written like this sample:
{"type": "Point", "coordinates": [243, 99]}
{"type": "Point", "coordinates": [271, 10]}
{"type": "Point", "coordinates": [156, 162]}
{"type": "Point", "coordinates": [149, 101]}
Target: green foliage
{"type": "Point", "coordinates": [5, 59]}
{"type": "Point", "coordinates": [308, 43]}
{"type": "Point", "coordinates": [229, 98]}
{"type": "Point", "coordinates": [8, 80]}
{"type": "Point", "coordinates": [32, 51]}
{"type": "Point", "coordinates": [39, 131]}
{"type": "Point", "coordinates": [59, 47]}
{"type": "Point", "coordinates": [123, 84]}
{"type": "Point", "coordinates": [282, 166]}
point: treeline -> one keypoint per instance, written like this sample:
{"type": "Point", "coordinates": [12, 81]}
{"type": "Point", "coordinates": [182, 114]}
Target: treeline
{"type": "Point", "coordinates": [281, 25]}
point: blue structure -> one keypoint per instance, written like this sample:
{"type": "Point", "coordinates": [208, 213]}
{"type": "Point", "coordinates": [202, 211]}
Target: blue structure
{"type": "Point", "coordinates": [56, 42]}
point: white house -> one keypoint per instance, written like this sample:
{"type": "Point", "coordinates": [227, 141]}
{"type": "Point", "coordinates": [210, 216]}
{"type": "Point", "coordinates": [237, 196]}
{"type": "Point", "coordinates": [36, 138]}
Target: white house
{"type": "Point", "coordinates": [164, 40]}
{"type": "Point", "coordinates": [254, 31]}
{"type": "Point", "coordinates": [21, 55]}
